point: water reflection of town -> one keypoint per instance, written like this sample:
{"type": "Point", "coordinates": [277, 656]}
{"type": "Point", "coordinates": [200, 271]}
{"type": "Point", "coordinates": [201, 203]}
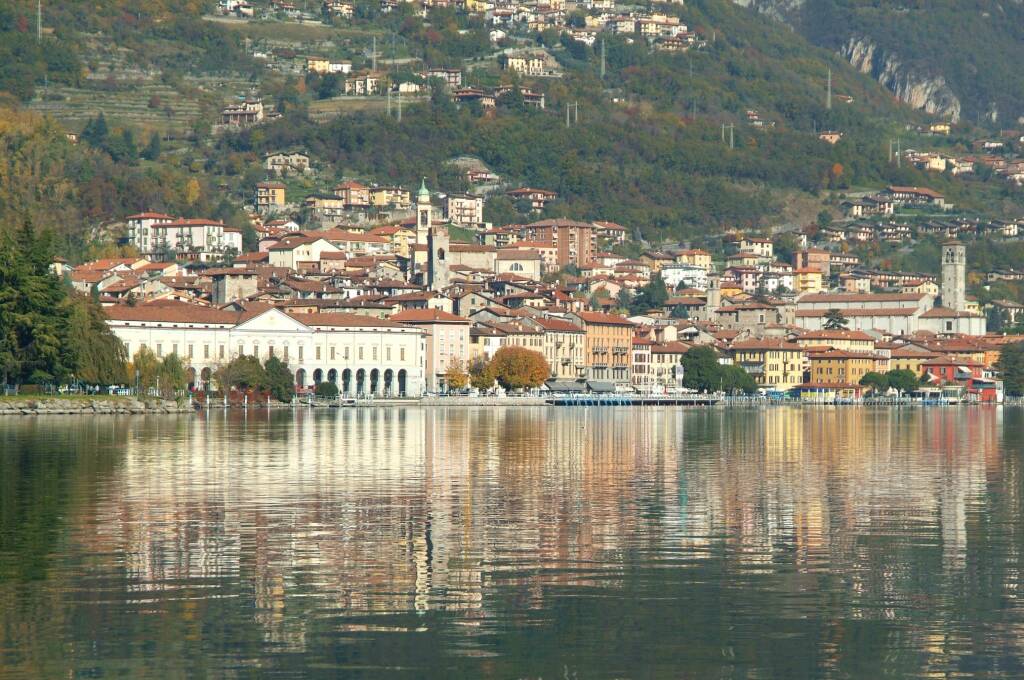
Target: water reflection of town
{"type": "Point", "coordinates": [390, 510]}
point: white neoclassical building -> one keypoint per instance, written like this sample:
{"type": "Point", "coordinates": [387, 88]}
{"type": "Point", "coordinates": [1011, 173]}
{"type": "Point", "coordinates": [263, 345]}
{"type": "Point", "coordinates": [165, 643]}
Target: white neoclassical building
{"type": "Point", "coordinates": [360, 354]}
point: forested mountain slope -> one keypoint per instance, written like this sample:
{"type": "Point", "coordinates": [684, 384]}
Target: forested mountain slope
{"type": "Point", "coordinates": [955, 58]}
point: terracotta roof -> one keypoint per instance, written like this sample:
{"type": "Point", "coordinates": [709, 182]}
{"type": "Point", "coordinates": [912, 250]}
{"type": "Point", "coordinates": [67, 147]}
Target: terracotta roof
{"type": "Point", "coordinates": [558, 325]}
{"type": "Point", "coordinates": [670, 348]}
{"type": "Point", "coordinates": [861, 297]}
{"type": "Point", "coordinates": [945, 313]}
{"type": "Point", "coordinates": [427, 316]}
{"type": "Point", "coordinates": [604, 319]}
{"type": "Point", "coordinates": [864, 311]}
{"type": "Point", "coordinates": [767, 344]}
{"type": "Point", "coordinates": [344, 320]}
{"type": "Point", "coordinates": [172, 312]}
{"type": "Point", "coordinates": [837, 334]}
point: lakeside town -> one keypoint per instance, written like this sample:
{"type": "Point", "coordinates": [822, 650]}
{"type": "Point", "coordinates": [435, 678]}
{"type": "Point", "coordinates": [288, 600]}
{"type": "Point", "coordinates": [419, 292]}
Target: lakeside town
{"type": "Point", "coordinates": [403, 310]}
{"type": "Point", "coordinates": [357, 286]}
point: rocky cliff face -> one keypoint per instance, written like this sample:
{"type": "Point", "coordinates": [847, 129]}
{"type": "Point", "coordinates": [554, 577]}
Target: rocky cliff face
{"type": "Point", "coordinates": [923, 91]}
{"type": "Point", "coordinates": [912, 85]}
{"type": "Point", "coordinates": [783, 10]}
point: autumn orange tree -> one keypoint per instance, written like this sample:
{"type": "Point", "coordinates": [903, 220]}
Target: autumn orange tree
{"type": "Point", "coordinates": [517, 368]}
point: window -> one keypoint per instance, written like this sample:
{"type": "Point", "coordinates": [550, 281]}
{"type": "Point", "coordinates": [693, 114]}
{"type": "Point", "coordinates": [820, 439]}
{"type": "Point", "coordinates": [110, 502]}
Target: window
{"type": "Point", "coordinates": [374, 353]}
{"type": "Point", "coordinates": [401, 354]}
{"type": "Point", "coordinates": [346, 354]}
{"type": "Point", "coordinates": [174, 348]}
{"type": "Point", "coordinates": [222, 351]}
{"type": "Point", "coordinates": [360, 353]}
{"type": "Point", "coordinates": [387, 353]}
{"type": "Point", "coordinates": [300, 352]}
{"type": "Point", "coordinates": [159, 350]}
{"type": "Point", "coordinates": [318, 352]}
{"type": "Point", "coordinates": [190, 351]}
{"type": "Point", "coordinates": [332, 352]}
{"type": "Point", "coordinates": [241, 349]}
{"type": "Point", "coordinates": [206, 351]}
{"type": "Point", "coordinates": [286, 353]}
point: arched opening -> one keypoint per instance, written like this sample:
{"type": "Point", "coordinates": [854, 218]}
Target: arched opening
{"type": "Point", "coordinates": [300, 378]}
{"type": "Point", "coordinates": [374, 381]}
{"type": "Point", "coordinates": [191, 372]}
{"type": "Point", "coordinates": [332, 376]}
{"type": "Point", "coordinates": [318, 376]}
{"type": "Point", "coordinates": [440, 254]}
{"type": "Point", "coordinates": [346, 381]}
{"type": "Point", "coordinates": [389, 377]}
{"type": "Point", "coordinates": [402, 382]}
{"type": "Point", "coordinates": [204, 377]}
{"type": "Point", "coordinates": [360, 381]}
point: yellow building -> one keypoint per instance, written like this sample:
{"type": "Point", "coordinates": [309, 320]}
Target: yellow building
{"type": "Point", "coordinates": [838, 367]}
{"type": "Point", "coordinates": [841, 338]}
{"type": "Point", "coordinates": [807, 280]}
{"type": "Point", "coordinates": [383, 197]}
{"type": "Point", "coordinates": [696, 257]}
{"type": "Point", "coordinates": [318, 65]}
{"type": "Point", "coordinates": [401, 238]}
{"type": "Point", "coordinates": [608, 344]}
{"type": "Point", "coordinates": [564, 345]}
{"type": "Point", "coordinates": [773, 363]}
{"type": "Point", "coordinates": [269, 195]}
{"type": "Point", "coordinates": [910, 359]}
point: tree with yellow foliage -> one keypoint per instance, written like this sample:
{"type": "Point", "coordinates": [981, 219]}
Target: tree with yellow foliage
{"type": "Point", "coordinates": [456, 377]}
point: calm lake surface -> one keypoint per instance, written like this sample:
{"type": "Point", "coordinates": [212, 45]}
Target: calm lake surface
{"type": "Point", "coordinates": [518, 542]}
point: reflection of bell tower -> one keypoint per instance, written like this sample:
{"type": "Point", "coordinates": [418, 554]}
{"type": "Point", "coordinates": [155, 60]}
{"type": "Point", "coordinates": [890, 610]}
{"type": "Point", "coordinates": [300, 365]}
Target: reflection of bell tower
{"type": "Point", "coordinates": [954, 276]}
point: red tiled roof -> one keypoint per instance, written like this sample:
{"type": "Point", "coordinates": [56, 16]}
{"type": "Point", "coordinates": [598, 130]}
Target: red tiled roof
{"type": "Point", "coordinates": [344, 320]}
{"type": "Point", "coordinates": [427, 316]}
{"type": "Point", "coordinates": [604, 319]}
{"type": "Point", "coordinates": [558, 325]}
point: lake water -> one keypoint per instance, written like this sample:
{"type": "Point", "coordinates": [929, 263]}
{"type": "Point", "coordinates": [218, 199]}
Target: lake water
{"type": "Point", "coordinates": [515, 542]}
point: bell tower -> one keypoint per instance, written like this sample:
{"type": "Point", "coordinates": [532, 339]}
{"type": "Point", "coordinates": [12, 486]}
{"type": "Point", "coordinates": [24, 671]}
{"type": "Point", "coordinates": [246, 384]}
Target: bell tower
{"type": "Point", "coordinates": [437, 258]}
{"type": "Point", "coordinates": [954, 276]}
{"type": "Point", "coordinates": [424, 213]}
{"type": "Point", "coordinates": [713, 299]}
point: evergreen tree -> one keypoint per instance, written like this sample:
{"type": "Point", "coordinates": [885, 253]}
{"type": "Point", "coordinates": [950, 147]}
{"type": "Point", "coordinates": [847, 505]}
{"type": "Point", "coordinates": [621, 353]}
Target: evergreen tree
{"type": "Point", "coordinates": [1011, 367]}
{"type": "Point", "coordinates": [279, 379]}
{"type": "Point", "coordinates": [834, 320]}
{"type": "Point", "coordinates": [701, 369]}
{"type": "Point", "coordinates": [152, 150]}
{"type": "Point", "coordinates": [96, 132]}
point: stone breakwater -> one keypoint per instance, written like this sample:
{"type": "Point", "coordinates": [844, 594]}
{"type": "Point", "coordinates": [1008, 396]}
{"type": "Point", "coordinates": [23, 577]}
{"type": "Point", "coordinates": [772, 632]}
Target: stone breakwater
{"type": "Point", "coordinates": [41, 406]}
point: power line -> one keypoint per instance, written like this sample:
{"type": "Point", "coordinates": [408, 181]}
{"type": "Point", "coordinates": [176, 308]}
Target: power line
{"type": "Point", "coordinates": [828, 96]}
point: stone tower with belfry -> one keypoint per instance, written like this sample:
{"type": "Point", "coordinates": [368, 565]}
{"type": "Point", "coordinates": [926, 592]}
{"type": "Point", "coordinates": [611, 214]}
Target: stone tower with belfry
{"type": "Point", "coordinates": [954, 276]}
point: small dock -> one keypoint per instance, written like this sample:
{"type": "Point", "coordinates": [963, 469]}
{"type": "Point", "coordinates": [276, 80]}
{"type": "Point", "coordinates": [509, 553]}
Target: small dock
{"type": "Point", "coordinates": [633, 400]}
